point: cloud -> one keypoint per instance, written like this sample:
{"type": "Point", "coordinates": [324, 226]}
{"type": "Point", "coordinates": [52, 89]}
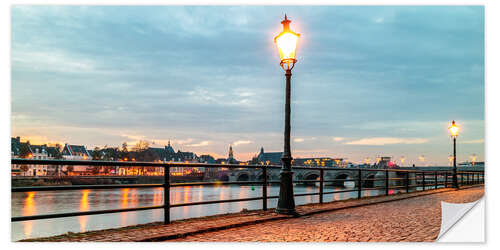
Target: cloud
{"type": "Point", "coordinates": [473, 141]}
{"type": "Point", "coordinates": [236, 143]}
{"type": "Point", "coordinates": [201, 144]}
{"type": "Point", "coordinates": [89, 74]}
{"type": "Point", "coordinates": [298, 139]}
{"type": "Point", "coordinates": [180, 142]}
{"type": "Point", "coordinates": [378, 141]}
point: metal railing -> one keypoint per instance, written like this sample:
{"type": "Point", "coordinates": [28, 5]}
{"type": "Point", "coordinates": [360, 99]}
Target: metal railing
{"type": "Point", "coordinates": [421, 179]}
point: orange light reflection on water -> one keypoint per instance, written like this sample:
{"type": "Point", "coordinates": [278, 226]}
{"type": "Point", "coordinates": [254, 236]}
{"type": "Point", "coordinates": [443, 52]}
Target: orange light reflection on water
{"type": "Point", "coordinates": [123, 216]}
{"type": "Point", "coordinates": [84, 206]}
{"type": "Point", "coordinates": [29, 209]}
{"type": "Point", "coordinates": [125, 192]}
{"type": "Point", "coordinates": [187, 195]}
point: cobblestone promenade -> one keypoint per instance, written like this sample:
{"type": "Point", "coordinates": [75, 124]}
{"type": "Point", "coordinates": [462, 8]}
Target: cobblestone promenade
{"type": "Point", "coordinates": [414, 219]}
{"type": "Point", "coordinates": [403, 217]}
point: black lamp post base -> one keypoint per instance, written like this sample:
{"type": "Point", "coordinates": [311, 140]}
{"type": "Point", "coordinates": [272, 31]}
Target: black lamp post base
{"type": "Point", "coordinates": [455, 182]}
{"type": "Point", "coordinates": [286, 203]}
{"type": "Point", "coordinates": [286, 211]}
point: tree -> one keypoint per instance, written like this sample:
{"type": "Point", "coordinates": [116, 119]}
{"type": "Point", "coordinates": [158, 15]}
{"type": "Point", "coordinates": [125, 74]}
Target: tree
{"type": "Point", "coordinates": [141, 146]}
{"type": "Point", "coordinates": [124, 151]}
{"type": "Point", "coordinates": [96, 153]}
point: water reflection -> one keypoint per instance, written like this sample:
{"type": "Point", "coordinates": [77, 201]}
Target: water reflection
{"type": "Point", "coordinates": [29, 209]}
{"type": "Point", "coordinates": [32, 203]}
{"type": "Point", "coordinates": [84, 206]}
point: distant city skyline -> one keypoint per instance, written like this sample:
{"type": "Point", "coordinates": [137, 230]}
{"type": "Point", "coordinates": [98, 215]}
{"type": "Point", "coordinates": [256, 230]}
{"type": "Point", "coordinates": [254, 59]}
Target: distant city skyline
{"type": "Point", "coordinates": [370, 80]}
{"type": "Point", "coordinates": [420, 161]}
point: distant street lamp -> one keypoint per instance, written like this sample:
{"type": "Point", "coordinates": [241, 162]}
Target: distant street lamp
{"type": "Point", "coordinates": [454, 133]}
{"type": "Point", "coordinates": [422, 159]}
{"type": "Point", "coordinates": [286, 42]}
{"type": "Point", "coordinates": [474, 157]}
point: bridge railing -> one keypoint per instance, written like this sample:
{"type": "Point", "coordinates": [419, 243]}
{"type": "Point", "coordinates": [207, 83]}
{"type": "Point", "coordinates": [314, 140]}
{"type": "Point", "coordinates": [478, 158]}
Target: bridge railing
{"type": "Point", "coordinates": [407, 180]}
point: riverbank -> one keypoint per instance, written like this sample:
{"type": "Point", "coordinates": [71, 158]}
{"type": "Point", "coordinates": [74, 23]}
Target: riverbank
{"type": "Point", "coordinates": [189, 227]}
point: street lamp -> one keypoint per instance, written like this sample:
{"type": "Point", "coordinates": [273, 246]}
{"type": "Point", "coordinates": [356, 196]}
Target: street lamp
{"type": "Point", "coordinates": [454, 133]}
{"type": "Point", "coordinates": [286, 42]}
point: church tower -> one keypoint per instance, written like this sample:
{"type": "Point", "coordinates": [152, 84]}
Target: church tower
{"type": "Point", "coordinates": [230, 153]}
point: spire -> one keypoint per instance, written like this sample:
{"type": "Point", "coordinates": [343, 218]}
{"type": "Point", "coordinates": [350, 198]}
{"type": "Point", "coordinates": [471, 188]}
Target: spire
{"type": "Point", "coordinates": [169, 143]}
{"type": "Point", "coordinates": [230, 152]}
{"type": "Point", "coordinates": [286, 23]}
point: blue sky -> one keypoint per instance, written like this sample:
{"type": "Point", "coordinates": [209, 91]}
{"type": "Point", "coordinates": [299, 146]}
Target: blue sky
{"type": "Point", "coordinates": [370, 80]}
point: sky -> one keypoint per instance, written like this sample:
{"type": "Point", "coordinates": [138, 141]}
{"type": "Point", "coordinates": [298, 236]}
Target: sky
{"type": "Point", "coordinates": [370, 80]}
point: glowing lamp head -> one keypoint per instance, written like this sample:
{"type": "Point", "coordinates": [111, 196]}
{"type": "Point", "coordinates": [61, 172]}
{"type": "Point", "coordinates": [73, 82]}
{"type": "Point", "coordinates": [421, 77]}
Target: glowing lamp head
{"type": "Point", "coordinates": [286, 42]}
{"type": "Point", "coordinates": [453, 129]}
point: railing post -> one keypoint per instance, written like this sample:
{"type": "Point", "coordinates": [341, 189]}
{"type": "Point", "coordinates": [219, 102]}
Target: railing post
{"type": "Point", "coordinates": [461, 179]}
{"type": "Point", "coordinates": [321, 172]}
{"type": "Point", "coordinates": [468, 178]}
{"type": "Point", "coordinates": [407, 182]}
{"type": "Point", "coordinates": [166, 195]}
{"type": "Point", "coordinates": [264, 189]}
{"type": "Point", "coordinates": [423, 181]}
{"type": "Point", "coordinates": [435, 180]}
{"type": "Point", "coordinates": [360, 184]}
{"type": "Point", "coordinates": [445, 179]}
{"type": "Point", "coordinates": [386, 182]}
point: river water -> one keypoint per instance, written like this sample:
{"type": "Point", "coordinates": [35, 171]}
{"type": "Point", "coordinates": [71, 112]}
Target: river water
{"type": "Point", "coordinates": [48, 202]}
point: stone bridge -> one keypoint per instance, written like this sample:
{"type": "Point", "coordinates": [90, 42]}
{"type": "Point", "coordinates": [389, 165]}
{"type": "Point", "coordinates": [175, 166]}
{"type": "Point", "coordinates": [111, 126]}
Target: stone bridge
{"type": "Point", "coordinates": [337, 177]}
{"type": "Point", "coordinates": [331, 177]}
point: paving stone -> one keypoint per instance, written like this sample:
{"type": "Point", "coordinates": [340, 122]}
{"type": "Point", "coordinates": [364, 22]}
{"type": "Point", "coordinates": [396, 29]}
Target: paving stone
{"type": "Point", "coordinates": [414, 219]}
{"type": "Point", "coordinates": [402, 217]}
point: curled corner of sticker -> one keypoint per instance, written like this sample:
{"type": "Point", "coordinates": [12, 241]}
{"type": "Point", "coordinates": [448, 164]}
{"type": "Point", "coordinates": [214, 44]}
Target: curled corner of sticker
{"type": "Point", "coordinates": [451, 213]}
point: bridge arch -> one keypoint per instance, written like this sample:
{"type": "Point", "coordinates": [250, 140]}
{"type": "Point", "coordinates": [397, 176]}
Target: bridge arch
{"type": "Point", "coordinates": [369, 180]}
{"type": "Point", "coordinates": [311, 176]}
{"type": "Point", "coordinates": [224, 177]}
{"type": "Point", "coordinates": [243, 177]}
{"type": "Point", "coordinates": [308, 176]}
{"type": "Point", "coordinates": [339, 179]}
{"type": "Point", "coordinates": [260, 177]}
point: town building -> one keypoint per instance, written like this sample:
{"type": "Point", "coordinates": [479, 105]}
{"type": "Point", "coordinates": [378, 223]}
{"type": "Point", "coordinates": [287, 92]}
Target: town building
{"type": "Point", "coordinates": [269, 158]}
{"type": "Point", "coordinates": [37, 152]}
{"type": "Point", "coordinates": [79, 153]}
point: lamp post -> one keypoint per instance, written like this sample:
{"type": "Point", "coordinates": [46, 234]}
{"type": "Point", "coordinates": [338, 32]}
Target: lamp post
{"type": "Point", "coordinates": [286, 42]}
{"type": "Point", "coordinates": [454, 133]}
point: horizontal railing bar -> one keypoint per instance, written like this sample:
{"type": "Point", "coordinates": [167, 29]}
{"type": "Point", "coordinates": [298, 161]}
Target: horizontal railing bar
{"type": "Point", "coordinates": [130, 163]}
{"type": "Point", "coordinates": [181, 184]}
{"type": "Point", "coordinates": [305, 194]}
{"type": "Point", "coordinates": [374, 188]}
{"type": "Point", "coordinates": [340, 191]}
{"type": "Point", "coordinates": [206, 165]}
{"type": "Point", "coordinates": [72, 214]}
{"type": "Point", "coordinates": [82, 187]}
{"type": "Point", "coordinates": [213, 202]}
